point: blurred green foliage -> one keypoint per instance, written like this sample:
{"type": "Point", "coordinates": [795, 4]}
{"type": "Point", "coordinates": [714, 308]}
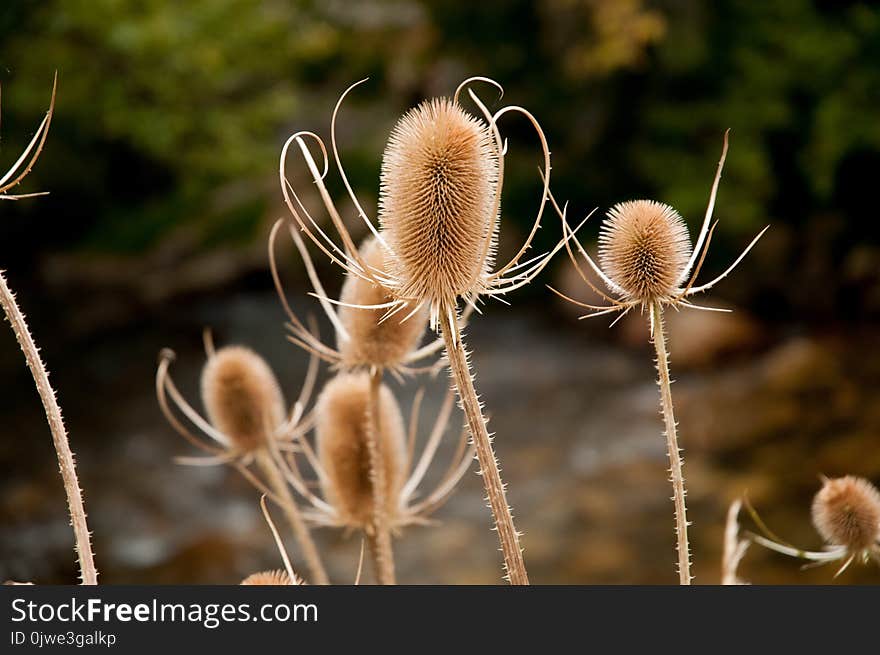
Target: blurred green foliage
{"type": "Point", "coordinates": [171, 115]}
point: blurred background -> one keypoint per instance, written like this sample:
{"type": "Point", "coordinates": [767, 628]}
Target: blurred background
{"type": "Point", "coordinates": [162, 165]}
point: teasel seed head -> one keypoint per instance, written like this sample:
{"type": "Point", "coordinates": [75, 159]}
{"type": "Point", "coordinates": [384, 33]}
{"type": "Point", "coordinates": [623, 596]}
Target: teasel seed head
{"type": "Point", "coordinates": [370, 342]}
{"type": "Point", "coordinates": [341, 430]}
{"type": "Point", "coordinates": [644, 249]}
{"type": "Point", "coordinates": [846, 512]}
{"type": "Point", "coordinates": [242, 397]}
{"type": "Point", "coordinates": [277, 578]}
{"type": "Point", "coordinates": [436, 198]}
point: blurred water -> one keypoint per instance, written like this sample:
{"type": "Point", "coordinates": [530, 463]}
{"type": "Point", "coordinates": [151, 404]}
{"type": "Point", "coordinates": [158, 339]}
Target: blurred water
{"type": "Point", "coordinates": [579, 440]}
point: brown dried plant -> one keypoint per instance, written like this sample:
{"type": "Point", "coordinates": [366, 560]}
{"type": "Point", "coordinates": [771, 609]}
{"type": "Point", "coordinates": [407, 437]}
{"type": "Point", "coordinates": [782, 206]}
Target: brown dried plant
{"type": "Point", "coordinates": [277, 577]}
{"type": "Point", "coordinates": [846, 513]}
{"type": "Point", "coordinates": [647, 262]}
{"type": "Point", "coordinates": [365, 341]}
{"type": "Point", "coordinates": [247, 424]}
{"type": "Point", "coordinates": [439, 210]}
{"type": "Point", "coordinates": [735, 547]}
{"type": "Point", "coordinates": [343, 464]}
{"type": "Point", "coordinates": [16, 173]}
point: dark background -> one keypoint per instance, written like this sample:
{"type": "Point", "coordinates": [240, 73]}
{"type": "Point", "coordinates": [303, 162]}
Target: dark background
{"type": "Point", "coordinates": [162, 167]}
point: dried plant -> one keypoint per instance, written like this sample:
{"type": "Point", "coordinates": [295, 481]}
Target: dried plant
{"type": "Point", "coordinates": [365, 340]}
{"type": "Point", "coordinates": [647, 262]}
{"type": "Point", "coordinates": [278, 577]}
{"type": "Point", "coordinates": [735, 547]}
{"type": "Point", "coordinates": [274, 578]}
{"type": "Point", "coordinates": [440, 192]}
{"type": "Point", "coordinates": [247, 424]}
{"type": "Point", "coordinates": [14, 176]}
{"type": "Point", "coordinates": [343, 464]}
{"type": "Point", "coordinates": [846, 513]}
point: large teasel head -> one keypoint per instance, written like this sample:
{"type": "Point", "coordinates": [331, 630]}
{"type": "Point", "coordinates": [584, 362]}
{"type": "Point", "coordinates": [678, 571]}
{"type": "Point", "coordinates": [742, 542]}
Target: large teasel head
{"type": "Point", "coordinates": [437, 203]}
{"type": "Point", "coordinates": [439, 207]}
{"type": "Point", "coordinates": [342, 424]}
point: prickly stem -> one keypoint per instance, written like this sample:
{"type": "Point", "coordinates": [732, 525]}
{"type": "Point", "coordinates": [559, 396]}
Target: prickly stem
{"type": "Point", "coordinates": [380, 536]}
{"type": "Point", "coordinates": [470, 403]}
{"type": "Point", "coordinates": [88, 573]}
{"type": "Point", "coordinates": [675, 462]}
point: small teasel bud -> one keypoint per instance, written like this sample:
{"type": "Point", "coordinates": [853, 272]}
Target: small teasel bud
{"type": "Point", "coordinates": [436, 198]}
{"type": "Point", "coordinates": [341, 430]}
{"type": "Point", "coordinates": [846, 512]}
{"type": "Point", "coordinates": [277, 578]}
{"type": "Point", "coordinates": [372, 343]}
{"type": "Point", "coordinates": [242, 397]}
{"type": "Point", "coordinates": [644, 248]}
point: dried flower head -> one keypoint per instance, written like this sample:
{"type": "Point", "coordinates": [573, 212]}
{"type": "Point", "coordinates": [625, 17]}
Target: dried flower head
{"type": "Point", "coordinates": [367, 335]}
{"type": "Point", "coordinates": [646, 256]}
{"type": "Point", "coordinates": [276, 578]}
{"type": "Point", "coordinates": [341, 430]}
{"type": "Point", "coordinates": [372, 341]}
{"type": "Point", "coordinates": [437, 200]}
{"type": "Point", "coordinates": [440, 197]}
{"type": "Point", "coordinates": [440, 192]}
{"type": "Point", "coordinates": [242, 397]}
{"type": "Point", "coordinates": [647, 262]}
{"type": "Point", "coordinates": [846, 512]}
{"type": "Point", "coordinates": [644, 247]}
{"type": "Point", "coordinates": [341, 458]}
{"type": "Point", "coordinates": [247, 425]}
{"type": "Point", "coordinates": [244, 405]}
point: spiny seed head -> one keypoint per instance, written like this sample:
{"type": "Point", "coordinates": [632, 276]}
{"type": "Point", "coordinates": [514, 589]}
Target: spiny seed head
{"type": "Point", "coordinates": [436, 198]}
{"type": "Point", "coordinates": [242, 397]}
{"type": "Point", "coordinates": [342, 428]}
{"type": "Point", "coordinates": [276, 578]}
{"type": "Point", "coordinates": [372, 343]}
{"type": "Point", "coordinates": [846, 512]}
{"type": "Point", "coordinates": [644, 248]}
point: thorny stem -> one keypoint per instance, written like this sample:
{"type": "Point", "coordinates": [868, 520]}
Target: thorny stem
{"type": "Point", "coordinates": [380, 535]}
{"type": "Point", "coordinates": [470, 403]}
{"type": "Point", "coordinates": [678, 492]}
{"type": "Point", "coordinates": [88, 573]}
{"type": "Point", "coordinates": [294, 517]}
